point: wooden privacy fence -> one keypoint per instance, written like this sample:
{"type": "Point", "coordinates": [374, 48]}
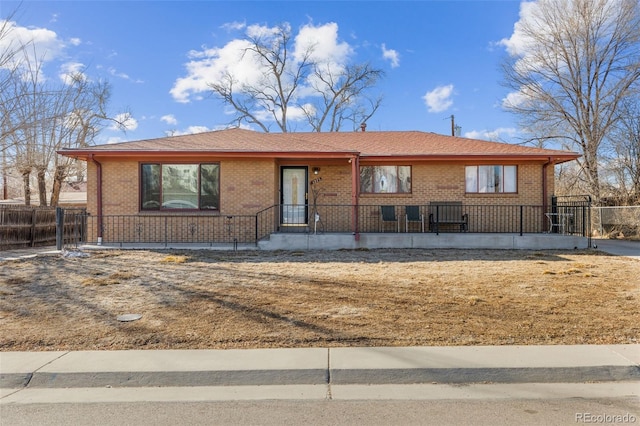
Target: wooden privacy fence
{"type": "Point", "coordinates": [29, 226]}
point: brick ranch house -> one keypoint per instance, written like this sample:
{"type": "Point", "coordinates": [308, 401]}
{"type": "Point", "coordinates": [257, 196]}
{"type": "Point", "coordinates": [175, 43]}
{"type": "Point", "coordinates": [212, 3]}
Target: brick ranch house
{"type": "Point", "coordinates": [244, 186]}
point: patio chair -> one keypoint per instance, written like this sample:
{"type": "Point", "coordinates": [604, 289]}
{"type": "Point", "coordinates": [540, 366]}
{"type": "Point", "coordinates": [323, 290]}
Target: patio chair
{"type": "Point", "coordinates": [388, 215]}
{"type": "Point", "coordinates": [412, 214]}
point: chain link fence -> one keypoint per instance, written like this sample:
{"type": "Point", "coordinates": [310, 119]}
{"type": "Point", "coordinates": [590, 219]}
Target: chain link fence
{"type": "Point", "coordinates": [616, 222]}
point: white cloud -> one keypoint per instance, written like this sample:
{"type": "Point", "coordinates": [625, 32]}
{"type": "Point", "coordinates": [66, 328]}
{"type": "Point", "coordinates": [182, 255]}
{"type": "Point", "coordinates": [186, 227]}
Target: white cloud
{"type": "Point", "coordinates": [294, 113]}
{"type": "Point", "coordinates": [115, 139]}
{"type": "Point", "coordinates": [392, 55]}
{"type": "Point", "coordinates": [439, 99]}
{"type": "Point", "coordinates": [499, 134]}
{"type": "Point", "coordinates": [234, 26]}
{"type": "Point", "coordinates": [75, 41]}
{"type": "Point", "coordinates": [256, 31]}
{"type": "Point", "coordinates": [70, 71]}
{"type": "Point", "coordinates": [323, 41]}
{"type": "Point", "coordinates": [169, 119]}
{"type": "Point", "coordinates": [188, 131]}
{"type": "Point", "coordinates": [112, 71]}
{"type": "Point", "coordinates": [514, 99]}
{"type": "Point", "coordinates": [518, 44]}
{"type": "Point", "coordinates": [126, 121]}
{"type": "Point", "coordinates": [43, 44]}
{"type": "Point", "coordinates": [213, 65]}
{"type": "Point", "coordinates": [118, 74]}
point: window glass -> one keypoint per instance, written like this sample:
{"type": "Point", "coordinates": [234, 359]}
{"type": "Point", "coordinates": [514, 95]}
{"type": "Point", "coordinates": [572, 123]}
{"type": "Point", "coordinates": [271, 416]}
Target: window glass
{"type": "Point", "coordinates": [510, 179]}
{"type": "Point", "coordinates": [491, 179]}
{"type": "Point", "coordinates": [366, 180]}
{"type": "Point", "coordinates": [150, 186]}
{"type": "Point", "coordinates": [180, 186]}
{"type": "Point", "coordinates": [385, 179]}
{"type": "Point", "coordinates": [486, 179]}
{"type": "Point", "coordinates": [404, 179]}
{"type": "Point", "coordinates": [471, 178]}
{"type": "Point", "coordinates": [209, 187]}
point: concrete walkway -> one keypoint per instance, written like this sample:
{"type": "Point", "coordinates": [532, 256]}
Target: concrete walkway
{"type": "Point", "coordinates": [320, 366]}
{"type": "Point", "coordinates": [619, 247]}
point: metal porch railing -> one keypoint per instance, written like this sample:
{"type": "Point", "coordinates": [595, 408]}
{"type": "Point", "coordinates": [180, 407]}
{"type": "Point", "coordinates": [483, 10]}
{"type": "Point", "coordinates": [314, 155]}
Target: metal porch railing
{"type": "Point", "coordinates": [566, 218]}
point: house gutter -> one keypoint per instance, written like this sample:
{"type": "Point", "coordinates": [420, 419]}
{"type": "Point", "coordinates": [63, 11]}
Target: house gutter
{"type": "Point", "coordinates": [545, 203]}
{"type": "Point", "coordinates": [99, 201]}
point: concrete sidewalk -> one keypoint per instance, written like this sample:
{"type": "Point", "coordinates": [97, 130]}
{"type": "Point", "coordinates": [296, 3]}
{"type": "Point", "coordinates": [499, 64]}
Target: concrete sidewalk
{"type": "Point", "coordinates": [320, 366]}
{"type": "Point", "coordinates": [618, 247]}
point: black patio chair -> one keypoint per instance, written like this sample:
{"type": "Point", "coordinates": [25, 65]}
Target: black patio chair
{"type": "Point", "coordinates": [413, 215]}
{"type": "Point", "coordinates": [388, 214]}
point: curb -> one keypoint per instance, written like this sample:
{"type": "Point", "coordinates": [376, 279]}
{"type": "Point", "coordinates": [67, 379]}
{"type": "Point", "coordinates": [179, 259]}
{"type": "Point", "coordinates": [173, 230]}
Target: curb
{"type": "Point", "coordinates": [321, 366]}
{"type": "Point", "coordinates": [321, 377]}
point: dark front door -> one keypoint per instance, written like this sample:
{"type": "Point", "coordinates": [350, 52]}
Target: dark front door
{"type": "Point", "coordinates": [293, 187]}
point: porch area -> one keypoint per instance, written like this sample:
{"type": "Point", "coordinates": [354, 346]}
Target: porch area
{"type": "Point", "coordinates": [333, 227]}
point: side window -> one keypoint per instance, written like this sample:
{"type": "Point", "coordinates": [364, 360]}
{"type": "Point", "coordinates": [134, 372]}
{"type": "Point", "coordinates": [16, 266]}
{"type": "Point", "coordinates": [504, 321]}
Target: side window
{"type": "Point", "coordinates": [385, 179]}
{"type": "Point", "coordinates": [491, 179]}
{"type": "Point", "coordinates": [180, 186]}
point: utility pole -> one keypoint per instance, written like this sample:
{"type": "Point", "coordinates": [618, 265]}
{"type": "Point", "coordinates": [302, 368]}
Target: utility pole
{"type": "Point", "coordinates": [455, 130]}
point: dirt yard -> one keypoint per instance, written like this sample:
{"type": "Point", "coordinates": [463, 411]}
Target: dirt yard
{"type": "Point", "coordinates": [209, 299]}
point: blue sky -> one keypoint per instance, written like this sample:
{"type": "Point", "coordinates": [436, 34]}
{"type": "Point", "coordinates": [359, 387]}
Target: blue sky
{"type": "Point", "coordinates": [440, 58]}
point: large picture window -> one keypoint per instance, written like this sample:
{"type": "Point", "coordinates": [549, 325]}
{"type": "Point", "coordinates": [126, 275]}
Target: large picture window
{"type": "Point", "coordinates": [385, 179]}
{"type": "Point", "coordinates": [491, 179]}
{"type": "Point", "coordinates": [180, 186]}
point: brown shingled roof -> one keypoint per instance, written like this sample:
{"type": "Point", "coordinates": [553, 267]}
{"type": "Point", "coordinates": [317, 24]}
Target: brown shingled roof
{"type": "Point", "coordinates": [374, 145]}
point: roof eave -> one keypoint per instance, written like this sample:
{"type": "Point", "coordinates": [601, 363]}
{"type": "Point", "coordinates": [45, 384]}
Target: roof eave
{"type": "Point", "coordinates": [83, 154]}
{"type": "Point", "coordinates": [99, 154]}
{"type": "Point", "coordinates": [556, 158]}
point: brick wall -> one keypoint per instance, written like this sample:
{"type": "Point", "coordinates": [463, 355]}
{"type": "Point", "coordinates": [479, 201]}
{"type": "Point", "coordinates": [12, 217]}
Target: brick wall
{"type": "Point", "coordinates": [248, 186]}
{"type": "Point", "coordinates": [446, 182]}
{"type": "Point", "coordinates": [245, 186]}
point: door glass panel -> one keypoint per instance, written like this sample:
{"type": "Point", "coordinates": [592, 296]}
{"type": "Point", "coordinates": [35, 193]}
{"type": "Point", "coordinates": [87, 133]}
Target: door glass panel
{"type": "Point", "coordinates": [294, 200]}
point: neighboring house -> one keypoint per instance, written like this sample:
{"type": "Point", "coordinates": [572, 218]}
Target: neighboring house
{"type": "Point", "coordinates": [73, 194]}
{"type": "Point", "coordinates": [289, 177]}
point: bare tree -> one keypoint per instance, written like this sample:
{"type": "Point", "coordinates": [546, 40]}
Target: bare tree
{"type": "Point", "coordinates": [296, 85]}
{"type": "Point", "coordinates": [39, 116]}
{"type": "Point", "coordinates": [50, 116]}
{"type": "Point", "coordinates": [24, 114]}
{"type": "Point", "coordinates": [623, 163]}
{"type": "Point", "coordinates": [581, 59]}
{"type": "Point", "coordinates": [9, 50]}
{"type": "Point", "coordinates": [85, 117]}
{"type": "Point", "coordinates": [341, 97]}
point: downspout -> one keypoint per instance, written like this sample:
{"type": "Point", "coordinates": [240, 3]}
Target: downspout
{"type": "Point", "coordinates": [99, 201]}
{"type": "Point", "coordinates": [545, 202]}
{"type": "Point", "coordinates": [355, 189]}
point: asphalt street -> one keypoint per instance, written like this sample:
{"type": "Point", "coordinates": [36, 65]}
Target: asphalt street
{"type": "Point", "coordinates": [488, 411]}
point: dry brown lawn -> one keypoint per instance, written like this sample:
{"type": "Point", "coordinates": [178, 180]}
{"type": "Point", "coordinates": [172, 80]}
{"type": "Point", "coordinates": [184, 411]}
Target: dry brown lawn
{"type": "Point", "coordinates": [256, 299]}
